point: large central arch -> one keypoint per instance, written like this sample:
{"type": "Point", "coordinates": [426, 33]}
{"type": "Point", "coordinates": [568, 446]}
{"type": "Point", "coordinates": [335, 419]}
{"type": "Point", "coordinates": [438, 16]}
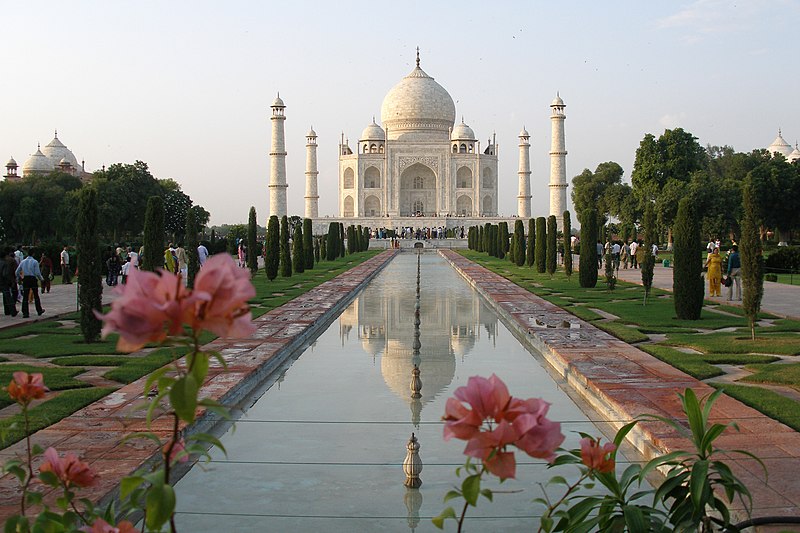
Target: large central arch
{"type": "Point", "coordinates": [418, 190]}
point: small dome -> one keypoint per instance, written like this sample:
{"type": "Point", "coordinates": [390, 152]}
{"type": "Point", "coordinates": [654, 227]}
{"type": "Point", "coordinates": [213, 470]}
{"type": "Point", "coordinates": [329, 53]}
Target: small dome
{"type": "Point", "coordinates": [311, 133]}
{"type": "Point", "coordinates": [373, 132]}
{"type": "Point", "coordinates": [11, 163]}
{"type": "Point", "coordinates": [524, 133]}
{"type": "Point", "coordinates": [795, 155]}
{"type": "Point", "coordinates": [37, 163]}
{"type": "Point", "coordinates": [780, 146]}
{"type": "Point", "coordinates": [557, 101]}
{"type": "Point", "coordinates": [278, 102]}
{"type": "Point", "coordinates": [462, 132]}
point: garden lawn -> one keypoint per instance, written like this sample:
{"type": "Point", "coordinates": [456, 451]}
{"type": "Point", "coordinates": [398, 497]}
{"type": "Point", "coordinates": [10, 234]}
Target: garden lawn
{"type": "Point", "coordinates": [770, 403]}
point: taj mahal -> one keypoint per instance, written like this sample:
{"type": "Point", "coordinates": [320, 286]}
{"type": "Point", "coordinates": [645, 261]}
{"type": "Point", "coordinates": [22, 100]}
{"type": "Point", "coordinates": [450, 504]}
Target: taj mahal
{"type": "Point", "coordinates": [418, 167]}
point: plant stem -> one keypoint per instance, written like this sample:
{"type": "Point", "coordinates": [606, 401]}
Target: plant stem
{"type": "Point", "coordinates": [552, 507]}
{"type": "Point", "coordinates": [30, 456]}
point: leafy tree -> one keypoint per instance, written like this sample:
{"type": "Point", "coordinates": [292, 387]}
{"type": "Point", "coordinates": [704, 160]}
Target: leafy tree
{"type": "Point", "coordinates": [552, 242]}
{"type": "Point", "coordinates": [123, 193]}
{"type": "Point", "coordinates": [285, 254]}
{"type": "Point", "coordinates": [235, 234]}
{"type": "Point", "coordinates": [176, 204]}
{"type": "Point", "coordinates": [530, 248]}
{"type": "Point", "coordinates": [752, 261]}
{"type": "Point", "coordinates": [592, 189]}
{"type": "Point", "coordinates": [43, 205]}
{"type": "Point", "coordinates": [308, 244]}
{"type": "Point", "coordinates": [273, 248]}
{"type": "Point", "coordinates": [519, 243]}
{"type": "Point", "coordinates": [332, 241]}
{"type": "Point", "coordinates": [648, 262]}
{"type": "Point", "coordinates": [252, 251]}
{"type": "Point", "coordinates": [193, 263]}
{"type": "Point", "coordinates": [775, 188]}
{"type": "Point", "coordinates": [90, 288]}
{"type": "Point", "coordinates": [588, 257]}
{"type": "Point", "coordinates": [687, 276]}
{"type": "Point", "coordinates": [299, 256]}
{"type": "Point", "coordinates": [567, 245]}
{"type": "Point", "coordinates": [541, 245]}
{"type": "Point", "coordinates": [153, 234]}
{"type": "Point", "coordinates": [365, 245]}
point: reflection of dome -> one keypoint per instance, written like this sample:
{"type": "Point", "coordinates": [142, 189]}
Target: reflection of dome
{"type": "Point", "coordinates": [56, 151]}
{"type": "Point", "coordinates": [418, 104]}
{"type": "Point", "coordinates": [373, 132]}
{"type": "Point", "coordinates": [436, 371]}
{"type": "Point", "coordinates": [462, 132]}
{"type": "Point", "coordinates": [462, 345]}
{"type": "Point", "coordinates": [780, 146]}
{"type": "Point", "coordinates": [37, 163]}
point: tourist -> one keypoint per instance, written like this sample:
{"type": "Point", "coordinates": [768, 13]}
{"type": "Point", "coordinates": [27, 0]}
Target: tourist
{"type": "Point", "coordinates": [183, 262]}
{"type": "Point", "coordinates": [46, 266]}
{"type": "Point", "coordinates": [242, 254]}
{"type": "Point", "coordinates": [133, 257]}
{"type": "Point", "coordinates": [615, 253]}
{"type": "Point", "coordinates": [8, 282]}
{"type": "Point", "coordinates": [714, 274]}
{"type": "Point", "coordinates": [202, 254]}
{"type": "Point", "coordinates": [113, 265]}
{"type": "Point", "coordinates": [125, 270]}
{"type": "Point", "coordinates": [170, 262]}
{"type": "Point", "coordinates": [599, 254]}
{"type": "Point", "coordinates": [634, 258]}
{"type": "Point", "coordinates": [30, 273]}
{"type": "Point", "coordinates": [735, 273]}
{"type": "Point", "coordinates": [710, 247]}
{"type": "Point", "coordinates": [66, 276]}
{"type": "Point", "coordinates": [625, 255]}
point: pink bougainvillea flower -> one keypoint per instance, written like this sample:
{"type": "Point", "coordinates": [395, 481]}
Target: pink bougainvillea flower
{"type": "Point", "coordinates": [221, 292]}
{"type": "Point", "coordinates": [489, 398]}
{"type": "Point", "coordinates": [71, 471]}
{"type": "Point", "coordinates": [538, 435]}
{"type": "Point", "coordinates": [596, 457]}
{"type": "Point", "coordinates": [179, 447]}
{"type": "Point", "coordinates": [150, 306]}
{"type": "Point", "coordinates": [101, 526]}
{"type": "Point", "coordinates": [24, 387]}
{"type": "Point", "coordinates": [460, 422]}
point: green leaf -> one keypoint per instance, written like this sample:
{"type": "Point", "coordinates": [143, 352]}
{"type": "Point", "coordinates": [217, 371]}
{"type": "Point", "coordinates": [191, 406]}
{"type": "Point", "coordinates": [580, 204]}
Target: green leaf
{"type": "Point", "coordinates": [156, 376]}
{"type": "Point", "coordinates": [558, 480]}
{"type": "Point", "coordinates": [49, 479]}
{"type": "Point", "coordinates": [159, 505]}
{"type": "Point", "coordinates": [471, 488]}
{"type": "Point", "coordinates": [694, 415]}
{"type": "Point", "coordinates": [622, 433]}
{"type": "Point", "coordinates": [711, 435]}
{"type": "Point", "coordinates": [438, 521]}
{"type": "Point", "coordinates": [200, 367]}
{"type": "Point", "coordinates": [709, 403]}
{"type": "Point", "coordinates": [209, 439]}
{"type": "Point", "coordinates": [488, 494]}
{"type": "Point", "coordinates": [699, 483]}
{"type": "Point", "coordinates": [183, 397]}
{"type": "Point", "coordinates": [128, 484]}
{"type": "Point", "coordinates": [634, 518]}
{"type": "Point", "coordinates": [546, 524]}
{"type": "Point", "coordinates": [660, 461]}
{"type": "Point", "coordinates": [451, 494]}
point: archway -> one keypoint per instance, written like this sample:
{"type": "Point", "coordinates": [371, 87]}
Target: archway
{"type": "Point", "coordinates": [464, 206]}
{"type": "Point", "coordinates": [487, 206]}
{"type": "Point", "coordinates": [487, 181]}
{"type": "Point", "coordinates": [418, 190]}
{"type": "Point", "coordinates": [349, 207]}
{"type": "Point", "coordinates": [349, 178]}
{"type": "Point", "coordinates": [372, 178]}
{"type": "Point", "coordinates": [372, 206]}
{"type": "Point", "coordinates": [464, 178]}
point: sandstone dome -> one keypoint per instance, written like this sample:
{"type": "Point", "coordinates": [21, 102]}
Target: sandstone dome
{"type": "Point", "coordinates": [418, 108]}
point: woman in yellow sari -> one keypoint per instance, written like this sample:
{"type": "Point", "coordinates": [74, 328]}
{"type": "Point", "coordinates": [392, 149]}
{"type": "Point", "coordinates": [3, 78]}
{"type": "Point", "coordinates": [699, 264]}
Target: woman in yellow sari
{"type": "Point", "coordinates": [714, 264]}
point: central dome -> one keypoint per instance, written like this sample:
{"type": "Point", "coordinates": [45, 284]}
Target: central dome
{"type": "Point", "coordinates": [418, 108]}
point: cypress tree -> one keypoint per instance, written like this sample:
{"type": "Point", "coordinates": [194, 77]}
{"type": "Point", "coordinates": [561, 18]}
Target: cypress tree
{"type": "Point", "coordinates": [332, 251]}
{"type": "Point", "coordinates": [153, 234]}
{"type": "Point", "coordinates": [308, 243]}
{"type": "Point", "coordinates": [519, 243]}
{"type": "Point", "coordinates": [567, 245]}
{"type": "Point", "coordinates": [285, 254]}
{"type": "Point", "coordinates": [552, 244]}
{"type": "Point", "coordinates": [502, 240]}
{"type": "Point", "coordinates": [351, 240]}
{"type": "Point", "coordinates": [365, 245]}
{"type": "Point", "coordinates": [530, 248]}
{"type": "Point", "coordinates": [193, 263]}
{"type": "Point", "coordinates": [752, 259]}
{"type": "Point", "coordinates": [687, 280]}
{"type": "Point", "coordinates": [648, 261]}
{"type": "Point", "coordinates": [588, 258]}
{"type": "Point", "coordinates": [318, 252]}
{"type": "Point", "coordinates": [541, 245]}
{"type": "Point", "coordinates": [611, 279]}
{"type": "Point", "coordinates": [359, 234]}
{"type": "Point", "coordinates": [341, 247]}
{"type": "Point", "coordinates": [252, 252]}
{"type": "Point", "coordinates": [299, 255]}
{"type": "Point", "coordinates": [487, 234]}
{"type": "Point", "coordinates": [479, 239]}
{"type": "Point", "coordinates": [273, 248]}
{"type": "Point", "coordinates": [90, 289]}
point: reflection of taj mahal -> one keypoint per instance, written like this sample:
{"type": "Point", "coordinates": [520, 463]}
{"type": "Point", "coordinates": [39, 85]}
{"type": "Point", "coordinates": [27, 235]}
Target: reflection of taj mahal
{"type": "Point", "coordinates": [418, 164]}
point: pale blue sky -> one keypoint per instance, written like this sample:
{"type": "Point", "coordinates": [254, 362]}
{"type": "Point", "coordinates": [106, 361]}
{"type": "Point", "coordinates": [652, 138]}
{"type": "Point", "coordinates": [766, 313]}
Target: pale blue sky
{"type": "Point", "coordinates": [186, 86]}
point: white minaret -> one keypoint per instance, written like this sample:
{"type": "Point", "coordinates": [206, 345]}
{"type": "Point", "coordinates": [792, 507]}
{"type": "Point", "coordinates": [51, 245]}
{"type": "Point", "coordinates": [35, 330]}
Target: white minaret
{"type": "Point", "coordinates": [524, 198]}
{"type": "Point", "coordinates": [277, 161]}
{"type": "Point", "coordinates": [312, 196]}
{"type": "Point", "coordinates": [558, 162]}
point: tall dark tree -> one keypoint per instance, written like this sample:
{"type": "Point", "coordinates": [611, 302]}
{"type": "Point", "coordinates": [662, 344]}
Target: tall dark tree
{"type": "Point", "coordinates": [519, 243]}
{"type": "Point", "coordinates": [318, 244]}
{"type": "Point", "coordinates": [153, 235]}
{"type": "Point", "coordinates": [286, 254]}
{"type": "Point", "coordinates": [541, 245]}
{"type": "Point", "coordinates": [530, 247]}
{"type": "Point", "coordinates": [504, 235]}
{"type": "Point", "coordinates": [298, 254]}
{"type": "Point", "coordinates": [752, 260]}
{"type": "Point", "coordinates": [90, 288]}
{"type": "Point", "coordinates": [567, 245]}
{"type": "Point", "coordinates": [308, 243]}
{"type": "Point", "coordinates": [332, 242]}
{"type": "Point", "coordinates": [252, 251]}
{"type": "Point", "coordinates": [648, 262]}
{"type": "Point", "coordinates": [272, 262]}
{"type": "Point", "coordinates": [687, 278]}
{"type": "Point", "coordinates": [351, 239]}
{"type": "Point", "coordinates": [487, 234]}
{"type": "Point", "coordinates": [552, 244]}
{"type": "Point", "coordinates": [588, 258]}
{"type": "Point", "coordinates": [193, 263]}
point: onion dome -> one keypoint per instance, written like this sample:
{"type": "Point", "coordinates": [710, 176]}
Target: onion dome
{"type": "Point", "coordinates": [780, 146]}
{"type": "Point", "coordinates": [524, 133]}
{"type": "Point", "coordinates": [462, 132]}
{"type": "Point", "coordinates": [278, 102]}
{"type": "Point", "coordinates": [311, 133]}
{"type": "Point", "coordinates": [795, 155]}
{"type": "Point", "coordinates": [418, 106]}
{"type": "Point", "coordinates": [373, 132]}
{"type": "Point", "coordinates": [37, 163]}
{"type": "Point", "coordinates": [557, 102]}
{"type": "Point", "coordinates": [11, 163]}
{"type": "Point", "coordinates": [56, 151]}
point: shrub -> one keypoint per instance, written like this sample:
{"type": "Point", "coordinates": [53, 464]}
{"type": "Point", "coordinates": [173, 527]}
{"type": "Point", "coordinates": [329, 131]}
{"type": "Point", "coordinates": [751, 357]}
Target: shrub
{"type": "Point", "coordinates": [252, 252]}
{"type": "Point", "coordinates": [567, 245]}
{"type": "Point", "coordinates": [784, 259]}
{"type": "Point", "coordinates": [273, 248]}
{"type": "Point", "coordinates": [552, 237]}
{"type": "Point", "coordinates": [298, 254]}
{"type": "Point", "coordinates": [770, 277]}
{"type": "Point", "coordinates": [530, 248]}
{"type": "Point", "coordinates": [308, 244]}
{"type": "Point", "coordinates": [193, 263]}
{"type": "Point", "coordinates": [752, 259]}
{"type": "Point", "coordinates": [519, 243]}
{"type": "Point", "coordinates": [90, 289]}
{"type": "Point", "coordinates": [687, 277]}
{"type": "Point", "coordinates": [541, 244]}
{"type": "Point", "coordinates": [285, 253]}
{"type": "Point", "coordinates": [648, 262]}
{"type": "Point", "coordinates": [588, 257]}
{"type": "Point", "coordinates": [332, 242]}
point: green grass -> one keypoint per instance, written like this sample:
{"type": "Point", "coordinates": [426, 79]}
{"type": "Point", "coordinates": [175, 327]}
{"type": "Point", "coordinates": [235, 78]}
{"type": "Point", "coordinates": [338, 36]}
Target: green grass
{"type": "Point", "coordinates": [621, 331]}
{"type": "Point", "coordinates": [777, 343]}
{"type": "Point", "coordinates": [58, 344]}
{"type": "Point", "coordinates": [692, 364]}
{"type": "Point", "coordinates": [784, 374]}
{"type": "Point", "coordinates": [583, 313]}
{"type": "Point", "coordinates": [770, 403]}
{"type": "Point", "coordinates": [90, 360]}
{"type": "Point", "coordinates": [12, 429]}
{"type": "Point", "coordinates": [788, 279]}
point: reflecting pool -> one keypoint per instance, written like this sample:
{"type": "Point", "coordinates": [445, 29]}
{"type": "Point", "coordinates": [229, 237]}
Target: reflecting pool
{"type": "Point", "coordinates": [322, 446]}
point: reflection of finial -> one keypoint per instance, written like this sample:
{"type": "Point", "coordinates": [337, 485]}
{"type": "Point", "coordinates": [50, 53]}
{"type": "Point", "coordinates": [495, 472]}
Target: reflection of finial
{"type": "Point", "coordinates": [413, 501]}
{"type": "Point", "coordinates": [417, 56]}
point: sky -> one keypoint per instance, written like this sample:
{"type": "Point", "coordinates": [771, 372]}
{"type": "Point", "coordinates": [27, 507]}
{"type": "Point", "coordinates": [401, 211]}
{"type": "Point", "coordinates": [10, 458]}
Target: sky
{"type": "Point", "coordinates": [185, 86]}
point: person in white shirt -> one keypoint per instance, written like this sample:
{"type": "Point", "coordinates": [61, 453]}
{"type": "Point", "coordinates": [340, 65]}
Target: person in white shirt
{"type": "Point", "coordinates": [134, 258]}
{"type": "Point", "coordinates": [634, 261]}
{"type": "Point", "coordinates": [202, 254]}
{"type": "Point", "coordinates": [126, 268]}
{"type": "Point", "coordinates": [66, 275]}
{"type": "Point", "coordinates": [30, 273]}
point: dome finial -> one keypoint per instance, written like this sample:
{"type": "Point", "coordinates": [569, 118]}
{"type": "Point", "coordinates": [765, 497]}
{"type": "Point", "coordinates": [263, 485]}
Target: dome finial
{"type": "Point", "coordinates": [56, 133]}
{"type": "Point", "coordinates": [417, 56]}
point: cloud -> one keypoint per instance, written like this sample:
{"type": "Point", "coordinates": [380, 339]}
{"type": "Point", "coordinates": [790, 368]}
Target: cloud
{"type": "Point", "coordinates": [672, 121]}
{"type": "Point", "coordinates": [704, 18]}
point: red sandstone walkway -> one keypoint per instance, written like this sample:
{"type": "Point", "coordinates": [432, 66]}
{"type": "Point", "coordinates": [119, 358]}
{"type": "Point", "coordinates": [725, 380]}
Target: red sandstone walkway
{"type": "Point", "coordinates": [623, 382]}
{"type": "Point", "coordinates": [96, 432]}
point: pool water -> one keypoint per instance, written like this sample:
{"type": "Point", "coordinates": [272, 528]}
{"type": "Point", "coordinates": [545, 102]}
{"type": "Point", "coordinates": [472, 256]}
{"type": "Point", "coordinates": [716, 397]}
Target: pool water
{"type": "Point", "coordinates": [321, 448]}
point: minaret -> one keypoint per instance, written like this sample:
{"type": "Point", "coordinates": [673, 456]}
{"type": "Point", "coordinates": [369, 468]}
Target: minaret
{"type": "Point", "coordinates": [524, 198]}
{"type": "Point", "coordinates": [277, 160]}
{"type": "Point", "coordinates": [558, 162]}
{"type": "Point", "coordinates": [312, 197]}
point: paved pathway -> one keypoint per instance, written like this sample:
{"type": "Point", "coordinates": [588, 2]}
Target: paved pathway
{"type": "Point", "coordinates": [60, 300]}
{"type": "Point", "coordinates": [623, 382]}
